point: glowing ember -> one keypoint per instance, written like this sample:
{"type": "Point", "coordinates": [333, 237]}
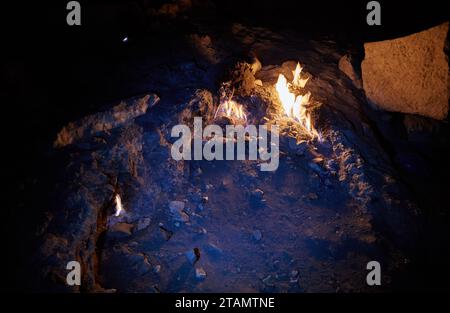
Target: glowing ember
{"type": "Point", "coordinates": [296, 106]}
{"type": "Point", "coordinates": [232, 110]}
{"type": "Point", "coordinates": [119, 207]}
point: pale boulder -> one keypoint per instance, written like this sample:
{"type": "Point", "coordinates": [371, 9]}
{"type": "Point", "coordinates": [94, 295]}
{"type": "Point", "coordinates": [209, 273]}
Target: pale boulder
{"type": "Point", "coordinates": [409, 74]}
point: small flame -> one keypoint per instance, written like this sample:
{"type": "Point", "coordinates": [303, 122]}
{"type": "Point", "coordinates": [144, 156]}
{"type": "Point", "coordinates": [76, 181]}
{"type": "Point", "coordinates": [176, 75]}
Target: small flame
{"type": "Point", "coordinates": [298, 81]}
{"type": "Point", "coordinates": [119, 207]}
{"type": "Point", "coordinates": [296, 106]}
{"type": "Point", "coordinates": [232, 110]}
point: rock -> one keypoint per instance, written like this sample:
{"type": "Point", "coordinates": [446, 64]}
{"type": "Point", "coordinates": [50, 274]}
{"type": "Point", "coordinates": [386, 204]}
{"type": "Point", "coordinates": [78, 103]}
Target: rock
{"type": "Point", "coordinates": [257, 194]}
{"type": "Point", "coordinates": [176, 210]}
{"type": "Point", "coordinates": [104, 121]}
{"type": "Point", "coordinates": [172, 9]}
{"type": "Point", "coordinates": [316, 168]}
{"type": "Point", "coordinates": [200, 105]}
{"type": "Point", "coordinates": [200, 273]}
{"type": "Point", "coordinates": [346, 66]}
{"type": "Point", "coordinates": [255, 65]}
{"type": "Point", "coordinates": [256, 198]}
{"type": "Point", "coordinates": [140, 263]}
{"type": "Point", "coordinates": [121, 229]}
{"type": "Point", "coordinates": [409, 74]}
{"type": "Point", "coordinates": [204, 49]}
{"type": "Point", "coordinates": [143, 223]}
{"type": "Point", "coordinates": [242, 79]}
{"type": "Point", "coordinates": [257, 235]}
{"type": "Point", "coordinates": [268, 281]}
{"type": "Point", "coordinates": [298, 148]}
{"type": "Point", "coordinates": [213, 250]}
{"type": "Point", "coordinates": [156, 268]}
{"type": "Point", "coordinates": [193, 255]}
{"type": "Point", "coordinates": [293, 277]}
{"type": "Point", "coordinates": [312, 196]}
{"type": "Point", "coordinates": [419, 124]}
{"type": "Point", "coordinates": [167, 234]}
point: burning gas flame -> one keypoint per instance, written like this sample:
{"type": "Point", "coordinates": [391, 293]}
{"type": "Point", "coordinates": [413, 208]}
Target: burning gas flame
{"type": "Point", "coordinates": [298, 81]}
{"type": "Point", "coordinates": [296, 106]}
{"type": "Point", "coordinates": [232, 110]}
{"type": "Point", "coordinates": [119, 207]}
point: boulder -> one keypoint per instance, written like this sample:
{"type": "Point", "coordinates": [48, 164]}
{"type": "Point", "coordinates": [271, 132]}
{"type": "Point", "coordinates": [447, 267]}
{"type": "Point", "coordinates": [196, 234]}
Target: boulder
{"type": "Point", "coordinates": [409, 74]}
{"type": "Point", "coordinates": [94, 124]}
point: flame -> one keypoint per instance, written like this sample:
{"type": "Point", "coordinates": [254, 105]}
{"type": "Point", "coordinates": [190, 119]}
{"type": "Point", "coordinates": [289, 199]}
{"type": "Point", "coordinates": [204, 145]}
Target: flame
{"type": "Point", "coordinates": [298, 81]}
{"type": "Point", "coordinates": [119, 207]}
{"type": "Point", "coordinates": [232, 110]}
{"type": "Point", "coordinates": [296, 106]}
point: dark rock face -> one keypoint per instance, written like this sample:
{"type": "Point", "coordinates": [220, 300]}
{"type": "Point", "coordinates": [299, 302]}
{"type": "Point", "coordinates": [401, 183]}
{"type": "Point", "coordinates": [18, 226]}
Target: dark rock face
{"type": "Point", "coordinates": [210, 226]}
{"type": "Point", "coordinates": [409, 74]}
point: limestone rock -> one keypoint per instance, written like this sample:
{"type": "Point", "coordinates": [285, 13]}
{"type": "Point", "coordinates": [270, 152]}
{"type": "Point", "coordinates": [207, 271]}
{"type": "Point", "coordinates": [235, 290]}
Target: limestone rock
{"type": "Point", "coordinates": [346, 66]}
{"type": "Point", "coordinates": [409, 74]}
{"type": "Point", "coordinates": [104, 121]}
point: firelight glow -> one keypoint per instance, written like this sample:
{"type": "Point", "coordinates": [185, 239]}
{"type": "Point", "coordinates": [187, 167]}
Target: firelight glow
{"type": "Point", "coordinates": [232, 110]}
{"type": "Point", "coordinates": [295, 106]}
{"type": "Point", "coordinates": [119, 207]}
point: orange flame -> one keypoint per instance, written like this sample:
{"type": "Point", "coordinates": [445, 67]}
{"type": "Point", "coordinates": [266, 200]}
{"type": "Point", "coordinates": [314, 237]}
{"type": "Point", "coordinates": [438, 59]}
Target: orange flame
{"type": "Point", "coordinates": [119, 207]}
{"type": "Point", "coordinates": [296, 106]}
{"type": "Point", "coordinates": [298, 81]}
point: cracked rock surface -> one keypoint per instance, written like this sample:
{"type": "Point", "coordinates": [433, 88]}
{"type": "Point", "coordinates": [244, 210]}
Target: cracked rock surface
{"type": "Point", "coordinates": [225, 226]}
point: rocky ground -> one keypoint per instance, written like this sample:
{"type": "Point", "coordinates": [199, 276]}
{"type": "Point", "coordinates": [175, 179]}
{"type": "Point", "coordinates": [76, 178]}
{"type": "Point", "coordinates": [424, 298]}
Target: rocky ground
{"type": "Point", "coordinates": [225, 226]}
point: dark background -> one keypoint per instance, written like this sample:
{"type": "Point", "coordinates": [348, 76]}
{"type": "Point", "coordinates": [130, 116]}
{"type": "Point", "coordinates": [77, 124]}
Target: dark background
{"type": "Point", "coordinates": [52, 73]}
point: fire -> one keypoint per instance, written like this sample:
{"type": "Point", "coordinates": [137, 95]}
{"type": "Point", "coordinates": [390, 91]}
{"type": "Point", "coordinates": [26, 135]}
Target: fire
{"type": "Point", "coordinates": [298, 80]}
{"type": "Point", "coordinates": [232, 110]}
{"type": "Point", "coordinates": [119, 207]}
{"type": "Point", "coordinates": [296, 106]}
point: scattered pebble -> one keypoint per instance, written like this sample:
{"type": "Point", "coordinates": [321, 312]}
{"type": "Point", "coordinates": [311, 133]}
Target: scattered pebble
{"type": "Point", "coordinates": [177, 211]}
{"type": "Point", "coordinates": [176, 205]}
{"type": "Point", "coordinates": [257, 235]}
{"type": "Point", "coordinates": [143, 223]}
{"type": "Point", "coordinates": [200, 273]}
{"type": "Point", "coordinates": [257, 193]}
{"type": "Point", "coordinates": [268, 281]}
{"type": "Point", "coordinates": [156, 269]}
{"type": "Point", "coordinates": [256, 196]}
